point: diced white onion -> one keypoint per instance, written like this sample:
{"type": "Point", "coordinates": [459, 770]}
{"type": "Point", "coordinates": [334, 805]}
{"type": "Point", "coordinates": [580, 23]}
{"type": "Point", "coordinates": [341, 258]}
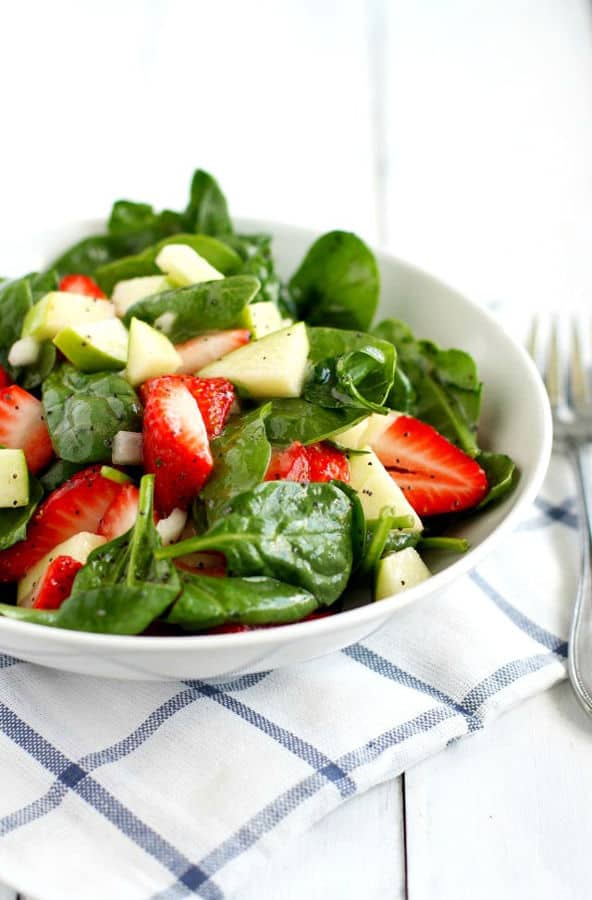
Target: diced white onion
{"type": "Point", "coordinates": [24, 352]}
{"type": "Point", "coordinates": [127, 448]}
{"type": "Point", "coordinates": [171, 528]}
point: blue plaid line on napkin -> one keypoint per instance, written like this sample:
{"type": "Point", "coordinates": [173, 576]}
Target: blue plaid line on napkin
{"type": "Point", "coordinates": [197, 877]}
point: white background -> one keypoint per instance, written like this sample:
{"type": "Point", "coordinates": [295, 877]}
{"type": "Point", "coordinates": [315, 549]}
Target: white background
{"type": "Point", "coordinates": [457, 133]}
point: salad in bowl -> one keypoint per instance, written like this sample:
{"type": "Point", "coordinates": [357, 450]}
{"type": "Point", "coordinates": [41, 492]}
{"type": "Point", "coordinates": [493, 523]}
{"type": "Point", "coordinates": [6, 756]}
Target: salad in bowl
{"type": "Point", "coordinates": [191, 444]}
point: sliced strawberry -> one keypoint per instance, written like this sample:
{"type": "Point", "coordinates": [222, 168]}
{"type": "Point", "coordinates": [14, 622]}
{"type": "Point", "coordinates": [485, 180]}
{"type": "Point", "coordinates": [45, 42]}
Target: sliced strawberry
{"type": "Point", "coordinates": [214, 397]}
{"type": "Point", "coordinates": [81, 284]}
{"type": "Point", "coordinates": [4, 378]}
{"type": "Point", "coordinates": [435, 476]}
{"type": "Point", "coordinates": [206, 348]}
{"type": "Point", "coordinates": [121, 514]}
{"type": "Point", "coordinates": [316, 462]}
{"type": "Point", "coordinates": [176, 447]}
{"type": "Point", "coordinates": [327, 462]}
{"type": "Point", "coordinates": [22, 426]}
{"type": "Point", "coordinates": [77, 505]}
{"type": "Point", "coordinates": [289, 464]}
{"type": "Point", "coordinates": [56, 584]}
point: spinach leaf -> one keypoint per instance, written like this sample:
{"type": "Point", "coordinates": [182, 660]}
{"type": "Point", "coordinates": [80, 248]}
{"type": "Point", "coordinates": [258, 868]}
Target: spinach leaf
{"type": "Point", "coordinates": [401, 396]}
{"type": "Point", "coordinates": [207, 602]}
{"type": "Point", "coordinates": [351, 369]}
{"type": "Point", "coordinates": [445, 382]}
{"type": "Point", "coordinates": [337, 282]}
{"type": "Point", "coordinates": [207, 212]}
{"type": "Point", "coordinates": [502, 476]}
{"type": "Point", "coordinates": [35, 374]}
{"type": "Point", "coordinates": [378, 535]}
{"type": "Point", "coordinates": [122, 587]}
{"type": "Point", "coordinates": [199, 307]}
{"type": "Point", "coordinates": [13, 522]}
{"type": "Point", "coordinates": [59, 472]}
{"type": "Point", "coordinates": [88, 254]}
{"type": "Point", "coordinates": [129, 218]}
{"type": "Point", "coordinates": [300, 534]}
{"type": "Point", "coordinates": [298, 420]}
{"type": "Point", "coordinates": [43, 282]}
{"type": "Point", "coordinates": [255, 252]}
{"type": "Point", "coordinates": [27, 614]}
{"type": "Point", "coordinates": [241, 456]}
{"type": "Point", "coordinates": [218, 254]}
{"type": "Point", "coordinates": [16, 298]}
{"type": "Point", "coordinates": [84, 412]}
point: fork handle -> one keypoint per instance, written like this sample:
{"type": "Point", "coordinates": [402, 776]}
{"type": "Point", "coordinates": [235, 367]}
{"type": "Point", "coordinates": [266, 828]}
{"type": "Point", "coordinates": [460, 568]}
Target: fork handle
{"type": "Point", "coordinates": [580, 634]}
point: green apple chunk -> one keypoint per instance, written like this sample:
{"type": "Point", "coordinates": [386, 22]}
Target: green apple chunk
{"type": "Point", "coordinates": [14, 479]}
{"type": "Point", "coordinates": [274, 366]}
{"type": "Point", "coordinates": [184, 266]}
{"type": "Point", "coordinates": [95, 346]}
{"type": "Point", "coordinates": [368, 431]}
{"type": "Point", "coordinates": [262, 319]}
{"type": "Point", "coordinates": [60, 309]}
{"type": "Point", "coordinates": [126, 293]}
{"type": "Point", "coordinates": [150, 353]}
{"type": "Point", "coordinates": [376, 489]}
{"type": "Point", "coordinates": [399, 571]}
{"type": "Point", "coordinates": [79, 547]}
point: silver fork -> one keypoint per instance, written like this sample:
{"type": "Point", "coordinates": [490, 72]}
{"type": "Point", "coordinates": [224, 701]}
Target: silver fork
{"type": "Point", "coordinates": [568, 386]}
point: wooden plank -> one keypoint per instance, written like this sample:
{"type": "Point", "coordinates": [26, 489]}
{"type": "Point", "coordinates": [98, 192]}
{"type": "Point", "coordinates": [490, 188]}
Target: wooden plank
{"type": "Point", "coordinates": [506, 813]}
{"type": "Point", "coordinates": [355, 852]}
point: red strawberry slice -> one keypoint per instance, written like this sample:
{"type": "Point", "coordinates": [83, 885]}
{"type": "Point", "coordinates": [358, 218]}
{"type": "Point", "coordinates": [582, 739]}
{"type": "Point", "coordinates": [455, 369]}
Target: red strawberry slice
{"type": "Point", "coordinates": [206, 348]}
{"type": "Point", "coordinates": [316, 462]}
{"type": "Point", "coordinates": [22, 426]}
{"type": "Point", "coordinates": [121, 514]}
{"type": "Point", "coordinates": [214, 397]}
{"type": "Point", "coordinates": [176, 447]}
{"type": "Point", "coordinates": [56, 584]}
{"type": "Point", "coordinates": [77, 505]}
{"type": "Point", "coordinates": [435, 476]}
{"type": "Point", "coordinates": [4, 378]}
{"type": "Point", "coordinates": [327, 462]}
{"type": "Point", "coordinates": [81, 284]}
{"type": "Point", "coordinates": [289, 464]}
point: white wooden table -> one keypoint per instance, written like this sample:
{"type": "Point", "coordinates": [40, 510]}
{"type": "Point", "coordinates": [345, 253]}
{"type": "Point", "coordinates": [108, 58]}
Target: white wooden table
{"type": "Point", "coordinates": [457, 133]}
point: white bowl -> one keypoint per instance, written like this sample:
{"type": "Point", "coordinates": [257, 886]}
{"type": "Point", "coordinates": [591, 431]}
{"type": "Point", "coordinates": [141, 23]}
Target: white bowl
{"type": "Point", "coordinates": [515, 420]}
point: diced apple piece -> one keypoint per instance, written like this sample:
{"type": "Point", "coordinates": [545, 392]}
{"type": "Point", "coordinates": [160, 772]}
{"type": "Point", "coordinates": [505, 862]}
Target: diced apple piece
{"type": "Point", "coordinates": [376, 489]}
{"type": "Point", "coordinates": [183, 265]}
{"type": "Point", "coordinates": [14, 479]}
{"type": "Point", "coordinates": [204, 349]}
{"type": "Point", "coordinates": [274, 366]}
{"type": "Point", "coordinates": [150, 353]}
{"type": "Point", "coordinates": [79, 547]}
{"type": "Point", "coordinates": [132, 290]}
{"type": "Point", "coordinates": [399, 571]}
{"type": "Point", "coordinates": [262, 318]}
{"type": "Point", "coordinates": [61, 309]}
{"type": "Point", "coordinates": [95, 346]}
{"type": "Point", "coordinates": [24, 352]}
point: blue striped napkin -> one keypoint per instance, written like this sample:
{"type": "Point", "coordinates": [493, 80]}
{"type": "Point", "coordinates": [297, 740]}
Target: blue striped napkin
{"type": "Point", "coordinates": [120, 789]}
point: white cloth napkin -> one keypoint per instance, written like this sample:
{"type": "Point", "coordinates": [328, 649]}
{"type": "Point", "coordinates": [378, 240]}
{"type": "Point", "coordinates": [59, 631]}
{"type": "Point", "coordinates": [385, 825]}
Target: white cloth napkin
{"type": "Point", "coordinates": [119, 789]}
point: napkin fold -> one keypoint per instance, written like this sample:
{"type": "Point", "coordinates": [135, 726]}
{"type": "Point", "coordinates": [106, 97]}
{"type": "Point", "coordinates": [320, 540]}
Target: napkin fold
{"type": "Point", "coordinates": [162, 791]}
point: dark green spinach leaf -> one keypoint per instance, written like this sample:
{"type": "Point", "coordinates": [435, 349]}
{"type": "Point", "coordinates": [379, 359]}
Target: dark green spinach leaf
{"type": "Point", "coordinates": [241, 456]}
{"type": "Point", "coordinates": [32, 376]}
{"type": "Point", "coordinates": [129, 218]}
{"type": "Point", "coordinates": [207, 212]}
{"type": "Point", "coordinates": [84, 412]}
{"type": "Point", "coordinates": [445, 383]}
{"type": "Point", "coordinates": [207, 602]}
{"type": "Point", "coordinates": [351, 369]}
{"type": "Point", "coordinates": [16, 299]}
{"type": "Point", "coordinates": [300, 534]}
{"type": "Point", "coordinates": [217, 253]}
{"type": "Point", "coordinates": [257, 260]}
{"type": "Point", "coordinates": [298, 420]}
{"type": "Point", "coordinates": [122, 587]}
{"type": "Point", "coordinates": [59, 472]}
{"type": "Point", "coordinates": [337, 283]}
{"type": "Point", "coordinates": [199, 307]}
{"type": "Point", "coordinates": [502, 476]}
{"type": "Point", "coordinates": [13, 522]}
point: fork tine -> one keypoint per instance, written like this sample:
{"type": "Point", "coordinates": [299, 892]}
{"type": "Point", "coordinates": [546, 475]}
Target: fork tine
{"type": "Point", "coordinates": [578, 380]}
{"type": "Point", "coordinates": [532, 342]}
{"type": "Point", "coordinates": [553, 372]}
